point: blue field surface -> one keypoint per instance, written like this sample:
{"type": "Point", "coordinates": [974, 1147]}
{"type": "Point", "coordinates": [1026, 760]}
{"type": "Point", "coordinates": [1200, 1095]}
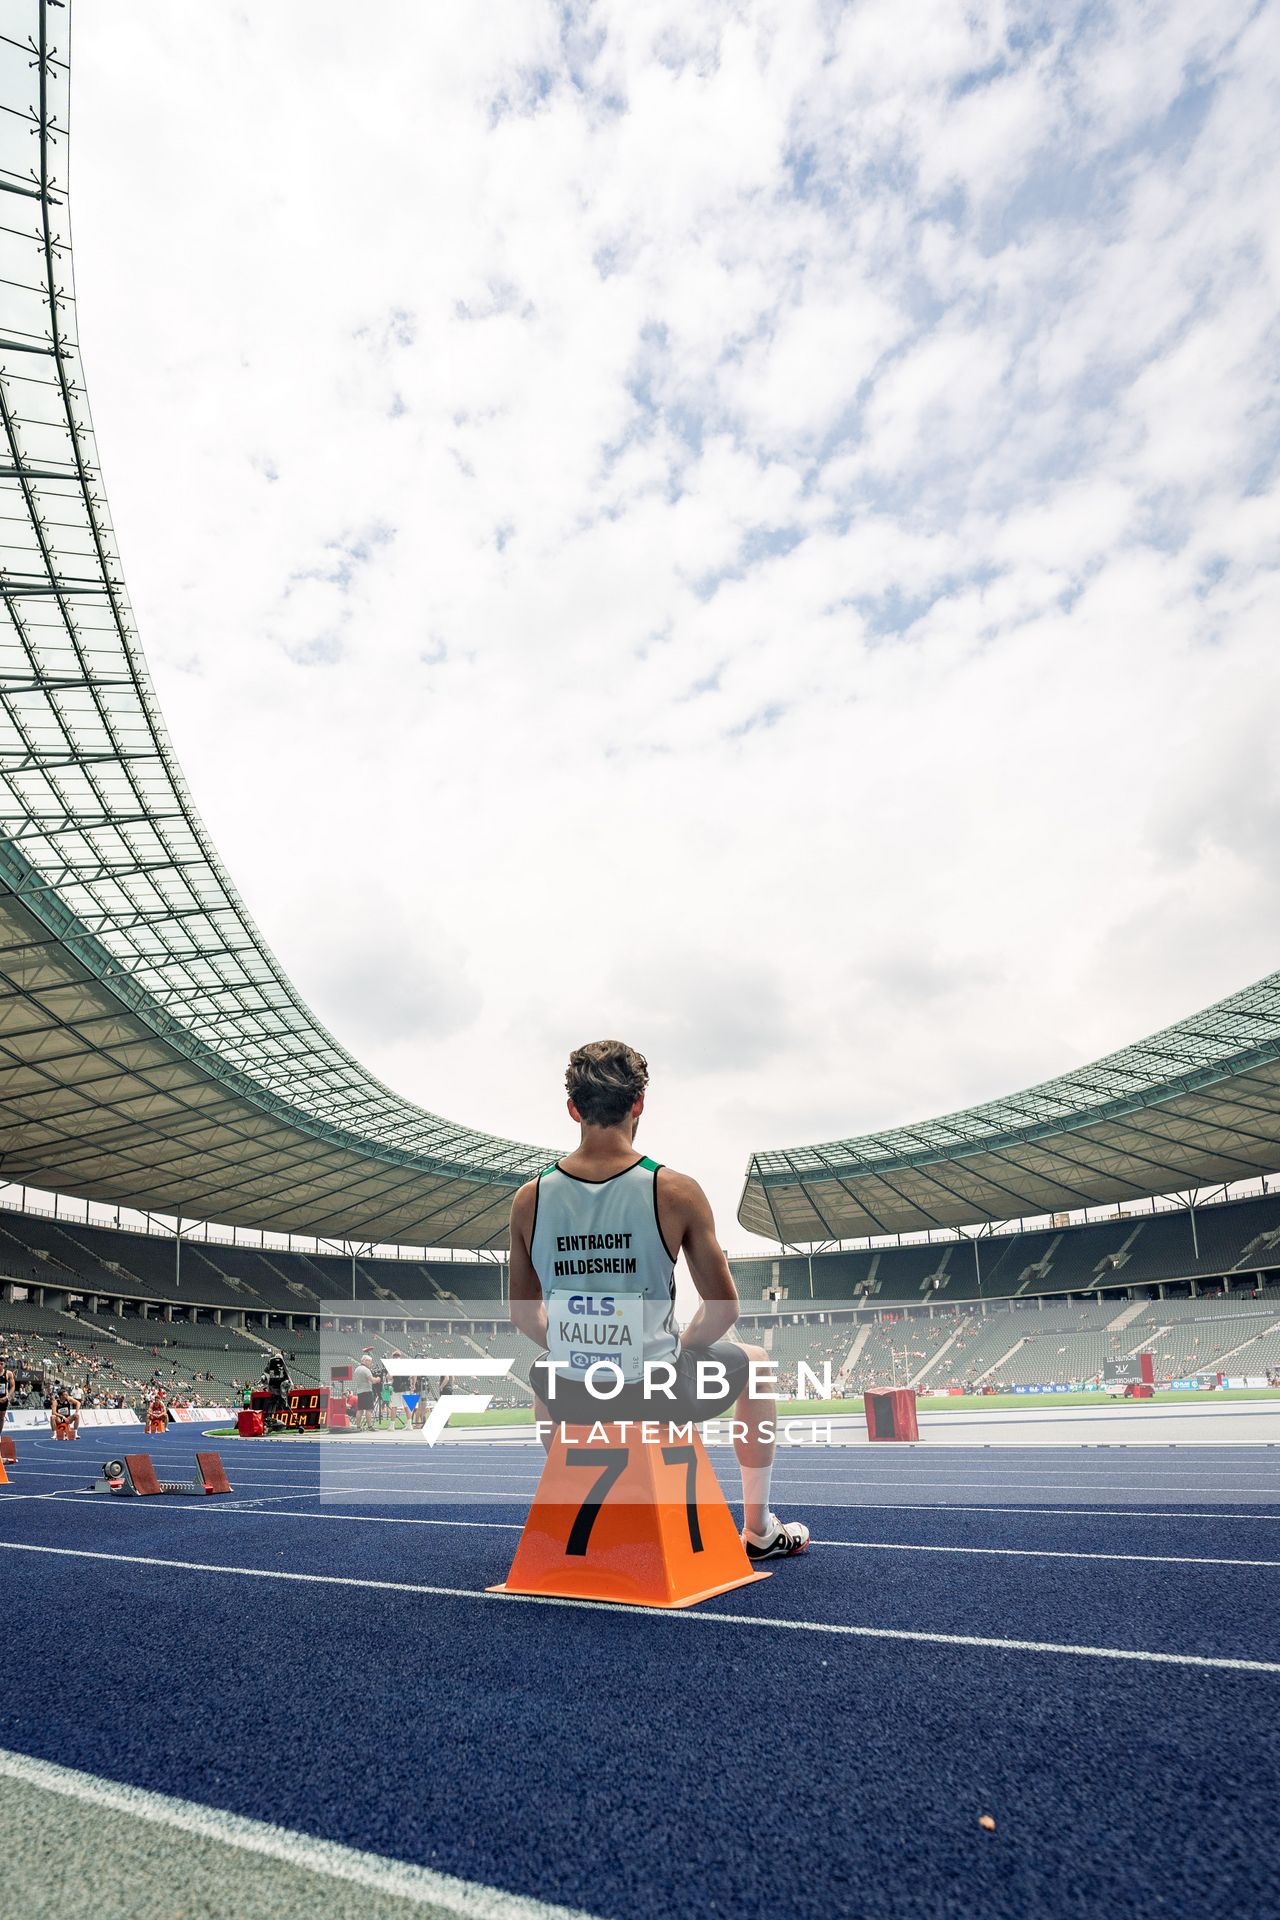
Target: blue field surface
{"type": "Point", "coordinates": [335, 1666]}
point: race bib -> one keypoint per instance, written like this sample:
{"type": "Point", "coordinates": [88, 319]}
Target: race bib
{"type": "Point", "coordinates": [583, 1328]}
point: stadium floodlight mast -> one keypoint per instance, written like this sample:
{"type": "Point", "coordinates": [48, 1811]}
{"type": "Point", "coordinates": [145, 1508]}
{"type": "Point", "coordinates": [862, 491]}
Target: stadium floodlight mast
{"type": "Point", "coordinates": [184, 1072]}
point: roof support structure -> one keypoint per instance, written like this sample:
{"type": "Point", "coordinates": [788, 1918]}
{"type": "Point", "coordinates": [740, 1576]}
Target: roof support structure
{"type": "Point", "coordinates": [248, 1110]}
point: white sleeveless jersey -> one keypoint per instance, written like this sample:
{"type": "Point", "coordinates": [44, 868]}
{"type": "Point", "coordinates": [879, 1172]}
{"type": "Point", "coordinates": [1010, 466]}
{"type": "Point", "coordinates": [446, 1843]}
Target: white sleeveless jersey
{"type": "Point", "coordinates": [606, 1273]}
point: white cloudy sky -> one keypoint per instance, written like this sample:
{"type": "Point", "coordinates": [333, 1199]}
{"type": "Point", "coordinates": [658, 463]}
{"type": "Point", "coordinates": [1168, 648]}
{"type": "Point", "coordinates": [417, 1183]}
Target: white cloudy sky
{"type": "Point", "coordinates": [747, 527]}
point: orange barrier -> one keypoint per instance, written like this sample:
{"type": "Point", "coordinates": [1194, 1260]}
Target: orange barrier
{"type": "Point", "coordinates": [618, 1519]}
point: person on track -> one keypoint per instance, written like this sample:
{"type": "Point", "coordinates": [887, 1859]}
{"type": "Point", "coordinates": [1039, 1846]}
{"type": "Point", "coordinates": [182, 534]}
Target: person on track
{"type": "Point", "coordinates": [64, 1413]}
{"type": "Point", "coordinates": [362, 1381]}
{"type": "Point", "coordinates": [276, 1382]}
{"type": "Point", "coordinates": [632, 1218]}
{"type": "Point", "coordinates": [8, 1388]}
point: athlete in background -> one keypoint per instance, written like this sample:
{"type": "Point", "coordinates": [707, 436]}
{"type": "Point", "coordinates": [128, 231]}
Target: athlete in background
{"type": "Point", "coordinates": [635, 1218]}
{"type": "Point", "coordinates": [64, 1413]}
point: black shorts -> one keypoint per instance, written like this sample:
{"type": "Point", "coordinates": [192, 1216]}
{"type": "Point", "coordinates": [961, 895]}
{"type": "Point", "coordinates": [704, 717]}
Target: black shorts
{"type": "Point", "coordinates": [574, 1403]}
{"type": "Point", "coordinates": [364, 1402]}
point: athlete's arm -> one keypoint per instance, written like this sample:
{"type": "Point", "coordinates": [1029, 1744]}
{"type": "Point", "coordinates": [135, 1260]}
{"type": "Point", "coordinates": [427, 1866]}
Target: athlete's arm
{"type": "Point", "coordinates": [689, 1225]}
{"type": "Point", "coordinates": [528, 1311]}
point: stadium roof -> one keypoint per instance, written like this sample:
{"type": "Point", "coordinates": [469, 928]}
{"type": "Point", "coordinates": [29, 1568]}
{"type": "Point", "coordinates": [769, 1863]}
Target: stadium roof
{"type": "Point", "coordinates": [153, 1052]}
{"type": "Point", "coordinates": [1195, 1105]}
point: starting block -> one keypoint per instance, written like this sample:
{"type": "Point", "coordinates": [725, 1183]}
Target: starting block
{"type": "Point", "coordinates": [623, 1520]}
{"type": "Point", "coordinates": [8, 1451]}
{"type": "Point", "coordinates": [4, 1478]}
{"type": "Point", "coordinates": [213, 1475]}
{"type": "Point", "coordinates": [136, 1474]}
{"type": "Point", "coordinates": [63, 1430]}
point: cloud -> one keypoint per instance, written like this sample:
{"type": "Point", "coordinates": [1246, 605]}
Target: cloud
{"type": "Point", "coordinates": [750, 526]}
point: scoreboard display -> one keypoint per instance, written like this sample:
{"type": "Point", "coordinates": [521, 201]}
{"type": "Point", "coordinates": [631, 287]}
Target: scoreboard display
{"type": "Point", "coordinates": [306, 1409]}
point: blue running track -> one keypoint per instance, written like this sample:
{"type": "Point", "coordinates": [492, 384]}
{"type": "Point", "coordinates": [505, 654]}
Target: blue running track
{"type": "Point", "coordinates": [752, 1758]}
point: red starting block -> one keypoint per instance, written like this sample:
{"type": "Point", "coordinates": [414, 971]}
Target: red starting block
{"type": "Point", "coordinates": [8, 1451]}
{"type": "Point", "coordinates": [213, 1473]}
{"type": "Point", "coordinates": [136, 1474]}
{"type": "Point", "coordinates": [891, 1413]}
{"type": "Point", "coordinates": [141, 1473]}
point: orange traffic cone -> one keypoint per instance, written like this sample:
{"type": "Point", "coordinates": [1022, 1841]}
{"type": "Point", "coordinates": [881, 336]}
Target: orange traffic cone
{"type": "Point", "coordinates": [621, 1519]}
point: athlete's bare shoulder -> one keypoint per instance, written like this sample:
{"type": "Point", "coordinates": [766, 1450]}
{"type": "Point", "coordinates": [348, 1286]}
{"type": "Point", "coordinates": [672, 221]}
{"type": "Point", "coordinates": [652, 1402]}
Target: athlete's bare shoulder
{"type": "Point", "coordinates": [523, 1202]}
{"type": "Point", "coordinates": [679, 1186]}
{"type": "Point", "coordinates": [682, 1206]}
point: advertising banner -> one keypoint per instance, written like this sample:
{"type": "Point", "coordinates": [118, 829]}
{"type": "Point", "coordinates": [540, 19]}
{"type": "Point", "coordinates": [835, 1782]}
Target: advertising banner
{"type": "Point", "coordinates": [36, 1419]}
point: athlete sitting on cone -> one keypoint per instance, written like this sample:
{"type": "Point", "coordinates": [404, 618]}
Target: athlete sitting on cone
{"type": "Point", "coordinates": [64, 1414]}
{"type": "Point", "coordinates": [604, 1225]}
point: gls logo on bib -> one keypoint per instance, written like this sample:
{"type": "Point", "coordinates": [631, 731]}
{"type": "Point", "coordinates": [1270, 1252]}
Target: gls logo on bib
{"type": "Point", "coordinates": [585, 1329]}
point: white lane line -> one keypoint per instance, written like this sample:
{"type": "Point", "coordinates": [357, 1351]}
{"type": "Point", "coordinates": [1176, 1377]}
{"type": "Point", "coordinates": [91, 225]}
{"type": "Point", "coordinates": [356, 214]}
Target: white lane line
{"type": "Point", "coordinates": [903, 1483]}
{"type": "Point", "coordinates": [1017, 1484]}
{"type": "Point", "coordinates": [50, 1473]}
{"type": "Point", "coordinates": [1048, 1553]}
{"type": "Point", "coordinates": [871, 1546]}
{"type": "Point", "coordinates": [915, 1636]}
{"type": "Point", "coordinates": [419, 1886]}
{"type": "Point", "coordinates": [1098, 1470]}
{"type": "Point", "coordinates": [1081, 1510]}
{"type": "Point", "coordinates": [58, 1493]}
{"type": "Point", "coordinates": [231, 1508]}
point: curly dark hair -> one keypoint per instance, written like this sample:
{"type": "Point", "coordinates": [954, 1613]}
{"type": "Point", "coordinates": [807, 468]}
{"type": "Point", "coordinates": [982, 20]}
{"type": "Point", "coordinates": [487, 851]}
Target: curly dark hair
{"type": "Point", "coordinates": [604, 1080]}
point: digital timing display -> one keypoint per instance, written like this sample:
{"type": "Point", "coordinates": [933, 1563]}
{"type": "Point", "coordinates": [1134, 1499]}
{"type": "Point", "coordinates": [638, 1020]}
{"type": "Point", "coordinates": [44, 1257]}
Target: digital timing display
{"type": "Point", "coordinates": [308, 1409]}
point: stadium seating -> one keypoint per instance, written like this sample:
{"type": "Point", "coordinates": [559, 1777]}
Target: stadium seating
{"type": "Point", "coordinates": [1237, 1238]}
{"type": "Point", "coordinates": [1023, 1308]}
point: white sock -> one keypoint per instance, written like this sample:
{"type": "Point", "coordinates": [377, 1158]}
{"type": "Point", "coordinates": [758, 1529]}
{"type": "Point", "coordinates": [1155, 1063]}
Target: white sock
{"type": "Point", "coordinates": [755, 1496]}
